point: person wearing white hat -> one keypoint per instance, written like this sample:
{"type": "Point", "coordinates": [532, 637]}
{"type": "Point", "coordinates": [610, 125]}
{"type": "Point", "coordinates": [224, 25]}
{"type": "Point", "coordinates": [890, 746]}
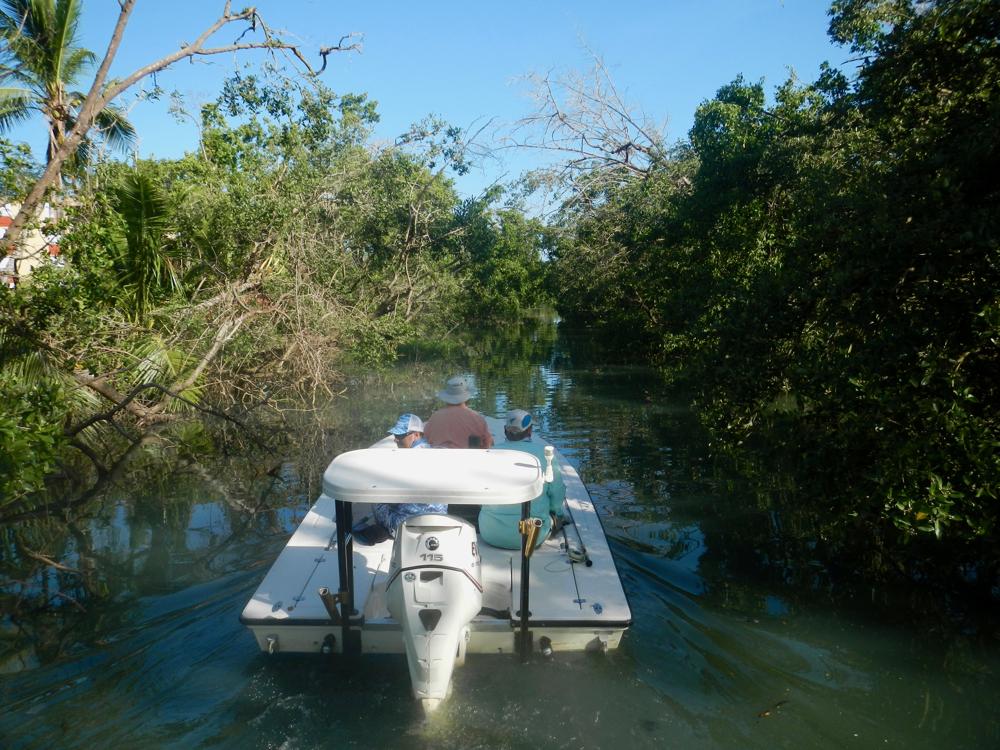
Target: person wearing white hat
{"type": "Point", "coordinates": [498, 524]}
{"type": "Point", "coordinates": [408, 432]}
{"type": "Point", "coordinates": [456, 425]}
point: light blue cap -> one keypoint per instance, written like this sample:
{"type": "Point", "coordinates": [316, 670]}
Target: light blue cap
{"type": "Point", "coordinates": [407, 423]}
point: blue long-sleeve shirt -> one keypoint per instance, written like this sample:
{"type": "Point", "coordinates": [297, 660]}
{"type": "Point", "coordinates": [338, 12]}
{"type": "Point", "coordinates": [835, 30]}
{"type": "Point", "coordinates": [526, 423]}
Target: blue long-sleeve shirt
{"type": "Point", "coordinates": [390, 515]}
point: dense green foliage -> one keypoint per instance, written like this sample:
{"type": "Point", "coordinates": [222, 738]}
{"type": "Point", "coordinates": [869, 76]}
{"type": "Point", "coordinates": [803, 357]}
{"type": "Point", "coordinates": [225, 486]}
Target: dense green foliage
{"type": "Point", "coordinates": [241, 275]}
{"type": "Point", "coordinates": [18, 169]}
{"type": "Point", "coordinates": [824, 270]}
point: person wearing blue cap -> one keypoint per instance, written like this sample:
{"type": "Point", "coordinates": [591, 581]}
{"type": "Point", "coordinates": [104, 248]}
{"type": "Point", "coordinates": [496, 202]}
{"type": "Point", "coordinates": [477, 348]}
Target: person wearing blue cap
{"type": "Point", "coordinates": [408, 432]}
{"type": "Point", "coordinates": [498, 524]}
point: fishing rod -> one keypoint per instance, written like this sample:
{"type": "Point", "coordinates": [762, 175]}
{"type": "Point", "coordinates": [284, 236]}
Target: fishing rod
{"type": "Point", "coordinates": [575, 555]}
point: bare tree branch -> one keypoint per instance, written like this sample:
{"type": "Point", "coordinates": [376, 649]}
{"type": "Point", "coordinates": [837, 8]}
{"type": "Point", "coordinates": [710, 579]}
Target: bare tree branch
{"type": "Point", "coordinates": [584, 120]}
{"type": "Point", "coordinates": [225, 333]}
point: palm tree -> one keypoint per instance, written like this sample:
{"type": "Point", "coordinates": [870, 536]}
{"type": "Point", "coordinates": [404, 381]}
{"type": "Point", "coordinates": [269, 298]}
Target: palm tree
{"type": "Point", "coordinates": [39, 62]}
{"type": "Point", "coordinates": [144, 262]}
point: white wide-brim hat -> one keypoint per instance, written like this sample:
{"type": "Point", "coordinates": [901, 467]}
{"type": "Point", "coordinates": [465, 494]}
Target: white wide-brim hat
{"type": "Point", "coordinates": [456, 391]}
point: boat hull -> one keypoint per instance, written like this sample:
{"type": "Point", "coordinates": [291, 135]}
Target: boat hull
{"type": "Point", "coordinates": [487, 638]}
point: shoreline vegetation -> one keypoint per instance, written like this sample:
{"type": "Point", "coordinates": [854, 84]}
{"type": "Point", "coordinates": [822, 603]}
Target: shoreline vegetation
{"type": "Point", "coordinates": [819, 268]}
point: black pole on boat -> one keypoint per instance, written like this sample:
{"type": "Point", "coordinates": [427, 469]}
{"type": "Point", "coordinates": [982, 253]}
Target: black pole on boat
{"type": "Point", "coordinates": [524, 644]}
{"type": "Point", "coordinates": [350, 638]}
{"type": "Point", "coordinates": [530, 529]}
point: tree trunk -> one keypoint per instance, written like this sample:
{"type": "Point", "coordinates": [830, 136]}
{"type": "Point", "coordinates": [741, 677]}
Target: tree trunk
{"type": "Point", "coordinates": [84, 120]}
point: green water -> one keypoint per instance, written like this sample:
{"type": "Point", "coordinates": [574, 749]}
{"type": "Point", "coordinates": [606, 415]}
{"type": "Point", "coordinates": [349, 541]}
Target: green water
{"type": "Point", "coordinates": [740, 639]}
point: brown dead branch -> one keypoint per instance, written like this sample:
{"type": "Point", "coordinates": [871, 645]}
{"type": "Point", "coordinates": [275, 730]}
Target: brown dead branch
{"type": "Point", "coordinates": [45, 560]}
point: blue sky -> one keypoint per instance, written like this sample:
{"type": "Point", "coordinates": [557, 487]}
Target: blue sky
{"type": "Point", "coordinates": [464, 61]}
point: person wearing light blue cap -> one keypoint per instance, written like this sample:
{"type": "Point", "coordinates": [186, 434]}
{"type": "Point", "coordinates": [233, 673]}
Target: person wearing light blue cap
{"type": "Point", "coordinates": [408, 432]}
{"type": "Point", "coordinates": [498, 524]}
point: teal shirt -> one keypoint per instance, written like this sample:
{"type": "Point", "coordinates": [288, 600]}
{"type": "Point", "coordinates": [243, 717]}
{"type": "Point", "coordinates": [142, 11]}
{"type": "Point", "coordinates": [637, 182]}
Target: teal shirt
{"type": "Point", "coordinates": [498, 523]}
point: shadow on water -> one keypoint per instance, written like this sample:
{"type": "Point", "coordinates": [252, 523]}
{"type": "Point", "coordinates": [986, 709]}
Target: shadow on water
{"type": "Point", "coordinates": [741, 639]}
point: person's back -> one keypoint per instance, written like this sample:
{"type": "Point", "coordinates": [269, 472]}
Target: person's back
{"type": "Point", "coordinates": [456, 425]}
{"type": "Point", "coordinates": [498, 524]}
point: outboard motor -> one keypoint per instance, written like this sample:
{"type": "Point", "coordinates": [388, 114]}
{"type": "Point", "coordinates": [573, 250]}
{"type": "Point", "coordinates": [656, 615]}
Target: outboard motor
{"type": "Point", "coordinates": [434, 591]}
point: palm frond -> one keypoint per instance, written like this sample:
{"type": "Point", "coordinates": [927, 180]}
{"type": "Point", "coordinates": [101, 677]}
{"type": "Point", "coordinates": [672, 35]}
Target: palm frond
{"type": "Point", "coordinates": [83, 155]}
{"type": "Point", "coordinates": [143, 205]}
{"type": "Point", "coordinates": [30, 370]}
{"type": "Point", "coordinates": [77, 61]}
{"type": "Point", "coordinates": [96, 436]}
{"type": "Point", "coordinates": [63, 18]}
{"type": "Point", "coordinates": [115, 128]}
{"type": "Point", "coordinates": [81, 400]}
{"type": "Point", "coordinates": [22, 78]}
{"type": "Point", "coordinates": [25, 27]}
{"type": "Point", "coordinates": [143, 267]}
{"type": "Point", "coordinates": [157, 361]}
{"type": "Point", "coordinates": [190, 395]}
{"type": "Point", "coordinates": [15, 107]}
{"type": "Point", "coordinates": [13, 16]}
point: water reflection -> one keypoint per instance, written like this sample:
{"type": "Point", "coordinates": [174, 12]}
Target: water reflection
{"type": "Point", "coordinates": [742, 638]}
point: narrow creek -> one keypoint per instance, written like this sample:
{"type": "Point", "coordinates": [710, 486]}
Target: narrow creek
{"type": "Point", "coordinates": [739, 641]}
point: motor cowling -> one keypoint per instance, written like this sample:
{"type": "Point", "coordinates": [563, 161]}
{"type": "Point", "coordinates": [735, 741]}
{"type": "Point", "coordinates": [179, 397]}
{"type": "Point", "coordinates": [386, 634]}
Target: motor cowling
{"type": "Point", "coordinates": [434, 591]}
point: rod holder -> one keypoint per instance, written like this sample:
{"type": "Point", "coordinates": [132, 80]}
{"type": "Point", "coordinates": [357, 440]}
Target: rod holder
{"type": "Point", "coordinates": [550, 453]}
{"type": "Point", "coordinates": [330, 601]}
{"type": "Point", "coordinates": [529, 528]}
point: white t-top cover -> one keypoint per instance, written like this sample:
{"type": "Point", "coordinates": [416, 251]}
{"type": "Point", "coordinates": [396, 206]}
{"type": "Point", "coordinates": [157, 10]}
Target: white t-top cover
{"type": "Point", "coordinates": [377, 475]}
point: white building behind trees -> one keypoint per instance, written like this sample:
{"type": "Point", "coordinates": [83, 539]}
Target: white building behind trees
{"type": "Point", "coordinates": [35, 247]}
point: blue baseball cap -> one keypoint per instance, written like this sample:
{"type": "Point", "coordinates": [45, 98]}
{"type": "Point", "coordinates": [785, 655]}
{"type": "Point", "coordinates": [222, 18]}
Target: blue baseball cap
{"type": "Point", "coordinates": [406, 424]}
{"type": "Point", "coordinates": [518, 420]}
